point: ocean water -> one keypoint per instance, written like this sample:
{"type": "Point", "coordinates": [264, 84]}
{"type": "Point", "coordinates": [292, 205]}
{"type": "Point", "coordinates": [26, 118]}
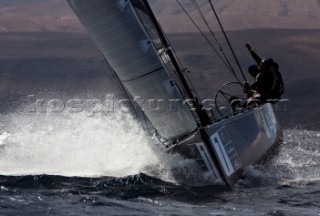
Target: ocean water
{"type": "Point", "coordinates": [106, 165]}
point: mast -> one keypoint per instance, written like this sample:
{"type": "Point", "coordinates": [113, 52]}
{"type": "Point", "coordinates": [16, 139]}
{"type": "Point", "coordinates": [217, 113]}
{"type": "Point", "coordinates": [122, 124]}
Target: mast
{"type": "Point", "coordinates": [201, 113]}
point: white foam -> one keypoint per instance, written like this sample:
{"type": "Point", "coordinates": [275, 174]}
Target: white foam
{"type": "Point", "coordinates": [298, 160]}
{"type": "Point", "coordinates": [76, 144]}
{"type": "Point", "coordinates": [79, 145]}
{"type": "Point", "coordinates": [115, 145]}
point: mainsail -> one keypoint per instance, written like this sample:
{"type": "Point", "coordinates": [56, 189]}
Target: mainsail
{"type": "Point", "coordinates": [125, 34]}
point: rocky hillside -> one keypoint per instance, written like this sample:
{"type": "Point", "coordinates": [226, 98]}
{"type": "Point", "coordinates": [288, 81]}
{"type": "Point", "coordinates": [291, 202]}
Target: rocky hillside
{"type": "Point", "coordinates": [37, 15]}
{"type": "Point", "coordinates": [55, 15]}
{"type": "Point", "coordinates": [244, 14]}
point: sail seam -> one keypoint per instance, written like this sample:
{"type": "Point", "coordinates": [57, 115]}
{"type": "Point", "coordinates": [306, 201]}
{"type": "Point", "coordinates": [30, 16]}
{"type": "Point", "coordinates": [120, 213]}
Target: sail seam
{"type": "Point", "coordinates": [143, 75]}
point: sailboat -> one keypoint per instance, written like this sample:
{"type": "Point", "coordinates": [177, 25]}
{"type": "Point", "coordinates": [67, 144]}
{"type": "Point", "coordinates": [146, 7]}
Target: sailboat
{"type": "Point", "coordinates": [136, 48]}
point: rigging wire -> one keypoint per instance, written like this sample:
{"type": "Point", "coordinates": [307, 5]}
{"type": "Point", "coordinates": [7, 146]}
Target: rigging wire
{"type": "Point", "coordinates": [166, 48]}
{"type": "Point", "coordinates": [203, 35]}
{"type": "Point", "coordinates": [186, 71]}
{"type": "Point", "coordinates": [196, 5]}
{"type": "Point", "coordinates": [227, 39]}
{"type": "Point", "coordinates": [182, 81]}
{"type": "Point", "coordinates": [226, 59]}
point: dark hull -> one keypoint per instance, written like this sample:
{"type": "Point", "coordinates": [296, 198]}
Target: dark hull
{"type": "Point", "coordinates": [227, 147]}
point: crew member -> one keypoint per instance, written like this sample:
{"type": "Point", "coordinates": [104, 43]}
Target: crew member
{"type": "Point", "coordinates": [268, 85]}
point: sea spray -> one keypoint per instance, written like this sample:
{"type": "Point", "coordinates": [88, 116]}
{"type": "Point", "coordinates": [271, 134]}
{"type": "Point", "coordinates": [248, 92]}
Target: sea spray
{"type": "Point", "coordinates": [297, 162]}
{"type": "Point", "coordinates": [88, 146]}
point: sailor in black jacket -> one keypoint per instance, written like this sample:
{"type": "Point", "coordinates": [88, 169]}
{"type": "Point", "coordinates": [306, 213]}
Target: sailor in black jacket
{"type": "Point", "coordinates": [268, 85]}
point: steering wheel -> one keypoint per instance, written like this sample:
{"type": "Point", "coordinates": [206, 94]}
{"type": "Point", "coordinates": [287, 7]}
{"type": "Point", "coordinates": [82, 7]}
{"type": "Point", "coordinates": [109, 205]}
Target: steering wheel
{"type": "Point", "coordinates": [226, 95]}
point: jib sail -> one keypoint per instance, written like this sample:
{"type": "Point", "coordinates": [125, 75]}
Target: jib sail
{"type": "Point", "coordinates": [125, 34]}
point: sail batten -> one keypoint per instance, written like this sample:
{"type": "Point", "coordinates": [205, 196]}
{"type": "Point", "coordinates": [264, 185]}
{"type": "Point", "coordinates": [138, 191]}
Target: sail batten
{"type": "Point", "coordinates": [124, 33]}
{"type": "Point", "coordinates": [151, 72]}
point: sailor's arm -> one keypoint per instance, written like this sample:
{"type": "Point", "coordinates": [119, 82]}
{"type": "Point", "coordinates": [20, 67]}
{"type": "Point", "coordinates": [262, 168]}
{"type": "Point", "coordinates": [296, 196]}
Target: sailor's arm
{"type": "Point", "coordinates": [253, 54]}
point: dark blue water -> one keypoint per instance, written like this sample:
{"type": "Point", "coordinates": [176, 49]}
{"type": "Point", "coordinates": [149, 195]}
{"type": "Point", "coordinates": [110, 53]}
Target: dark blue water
{"type": "Point", "coordinates": [126, 175]}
